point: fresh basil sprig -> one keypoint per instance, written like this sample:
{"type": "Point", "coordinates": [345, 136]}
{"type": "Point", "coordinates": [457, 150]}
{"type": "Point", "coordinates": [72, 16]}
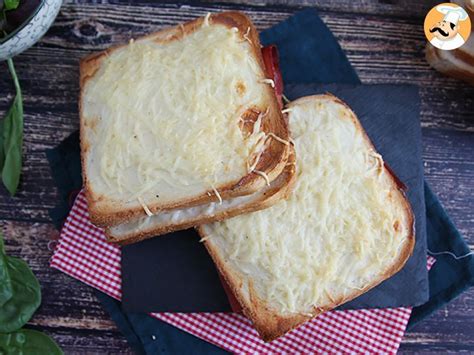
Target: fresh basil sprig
{"type": "Point", "coordinates": [25, 293]}
{"type": "Point", "coordinates": [28, 341]}
{"type": "Point", "coordinates": [6, 290]}
{"type": "Point", "coordinates": [6, 5]}
{"type": "Point", "coordinates": [11, 138]}
{"type": "Point", "coordinates": [20, 296]}
{"type": "Point", "coordinates": [11, 4]}
{"type": "Point", "coordinates": [26, 296]}
{"type": "Point", "coordinates": [11, 127]}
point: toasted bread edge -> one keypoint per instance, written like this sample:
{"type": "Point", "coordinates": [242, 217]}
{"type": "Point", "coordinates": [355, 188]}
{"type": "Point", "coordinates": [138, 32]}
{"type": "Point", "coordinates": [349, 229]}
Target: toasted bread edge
{"type": "Point", "coordinates": [273, 195]}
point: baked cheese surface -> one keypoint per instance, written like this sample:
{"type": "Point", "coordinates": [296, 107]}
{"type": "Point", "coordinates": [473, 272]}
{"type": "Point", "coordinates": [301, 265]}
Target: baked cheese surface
{"type": "Point", "coordinates": [340, 229]}
{"type": "Point", "coordinates": [162, 118]}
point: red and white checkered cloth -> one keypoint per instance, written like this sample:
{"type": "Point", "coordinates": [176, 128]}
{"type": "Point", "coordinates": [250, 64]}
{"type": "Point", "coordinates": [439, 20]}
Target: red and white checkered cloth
{"type": "Point", "coordinates": [84, 254]}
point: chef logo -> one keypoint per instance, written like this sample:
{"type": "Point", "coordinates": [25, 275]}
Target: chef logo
{"type": "Point", "coordinates": [447, 26]}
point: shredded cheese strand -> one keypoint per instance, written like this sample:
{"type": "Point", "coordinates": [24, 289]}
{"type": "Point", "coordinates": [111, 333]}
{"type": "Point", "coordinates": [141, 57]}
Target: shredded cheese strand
{"type": "Point", "coordinates": [206, 19]}
{"type": "Point", "coordinates": [262, 174]}
{"type": "Point", "coordinates": [281, 140]}
{"type": "Point", "coordinates": [145, 207]}
{"type": "Point", "coordinates": [268, 81]}
{"type": "Point", "coordinates": [217, 194]}
{"type": "Point", "coordinates": [246, 35]}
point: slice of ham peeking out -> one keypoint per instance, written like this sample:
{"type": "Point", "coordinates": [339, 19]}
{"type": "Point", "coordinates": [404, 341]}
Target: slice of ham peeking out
{"type": "Point", "coordinates": [270, 59]}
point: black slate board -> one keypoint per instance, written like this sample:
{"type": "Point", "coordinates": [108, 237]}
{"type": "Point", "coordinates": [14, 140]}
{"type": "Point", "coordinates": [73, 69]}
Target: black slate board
{"type": "Point", "coordinates": [171, 273]}
{"type": "Point", "coordinates": [174, 273]}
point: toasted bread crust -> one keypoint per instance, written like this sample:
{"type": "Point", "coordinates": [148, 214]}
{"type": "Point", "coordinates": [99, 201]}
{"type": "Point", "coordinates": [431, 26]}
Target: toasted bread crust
{"type": "Point", "coordinates": [279, 190]}
{"type": "Point", "coordinates": [271, 325]}
{"type": "Point", "coordinates": [272, 161]}
{"type": "Point", "coordinates": [443, 65]}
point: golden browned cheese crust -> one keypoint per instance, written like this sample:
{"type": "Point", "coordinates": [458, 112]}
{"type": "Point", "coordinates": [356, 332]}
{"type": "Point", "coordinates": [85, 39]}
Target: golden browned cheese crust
{"type": "Point", "coordinates": [106, 213]}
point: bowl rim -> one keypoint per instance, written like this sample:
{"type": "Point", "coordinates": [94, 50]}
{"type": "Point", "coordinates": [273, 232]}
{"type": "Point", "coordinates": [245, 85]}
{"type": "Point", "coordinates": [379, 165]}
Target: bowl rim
{"type": "Point", "coordinates": [23, 25]}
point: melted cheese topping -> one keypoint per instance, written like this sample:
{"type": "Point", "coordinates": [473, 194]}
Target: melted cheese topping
{"type": "Point", "coordinates": [162, 118]}
{"type": "Point", "coordinates": [338, 231]}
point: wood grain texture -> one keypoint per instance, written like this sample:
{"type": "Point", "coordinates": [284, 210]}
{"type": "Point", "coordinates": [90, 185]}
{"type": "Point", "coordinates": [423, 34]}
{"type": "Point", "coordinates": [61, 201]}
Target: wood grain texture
{"type": "Point", "coordinates": [383, 40]}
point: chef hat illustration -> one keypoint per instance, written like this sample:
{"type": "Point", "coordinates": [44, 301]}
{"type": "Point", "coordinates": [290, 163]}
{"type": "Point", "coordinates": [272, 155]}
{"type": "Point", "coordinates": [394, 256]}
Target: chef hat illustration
{"type": "Point", "coordinates": [452, 14]}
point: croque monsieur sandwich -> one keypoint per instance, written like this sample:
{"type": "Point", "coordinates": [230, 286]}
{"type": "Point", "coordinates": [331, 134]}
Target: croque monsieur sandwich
{"type": "Point", "coordinates": [180, 119]}
{"type": "Point", "coordinates": [344, 228]}
{"type": "Point", "coordinates": [183, 128]}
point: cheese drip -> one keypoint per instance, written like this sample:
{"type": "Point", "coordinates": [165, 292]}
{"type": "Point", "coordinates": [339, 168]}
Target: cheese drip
{"type": "Point", "coordinates": [166, 115]}
{"type": "Point", "coordinates": [336, 232]}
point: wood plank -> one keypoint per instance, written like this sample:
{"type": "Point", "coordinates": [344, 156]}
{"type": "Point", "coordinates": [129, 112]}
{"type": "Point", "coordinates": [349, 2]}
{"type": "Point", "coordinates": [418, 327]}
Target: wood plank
{"type": "Point", "coordinates": [382, 40]}
{"type": "Point", "coordinates": [89, 341]}
{"type": "Point", "coordinates": [405, 8]}
{"type": "Point", "coordinates": [449, 169]}
{"type": "Point", "coordinates": [448, 330]}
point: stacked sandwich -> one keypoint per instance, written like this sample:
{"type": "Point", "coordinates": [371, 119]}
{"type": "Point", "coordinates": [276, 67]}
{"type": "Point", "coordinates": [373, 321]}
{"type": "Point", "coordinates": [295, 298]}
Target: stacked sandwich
{"type": "Point", "coordinates": [185, 127]}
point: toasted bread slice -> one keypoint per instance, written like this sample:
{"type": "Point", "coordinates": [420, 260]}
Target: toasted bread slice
{"type": "Point", "coordinates": [174, 220]}
{"type": "Point", "coordinates": [178, 118]}
{"type": "Point", "coordinates": [458, 63]}
{"type": "Point", "coordinates": [345, 227]}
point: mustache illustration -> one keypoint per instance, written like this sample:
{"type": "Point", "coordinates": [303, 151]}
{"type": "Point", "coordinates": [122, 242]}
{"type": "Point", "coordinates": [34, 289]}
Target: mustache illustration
{"type": "Point", "coordinates": [443, 33]}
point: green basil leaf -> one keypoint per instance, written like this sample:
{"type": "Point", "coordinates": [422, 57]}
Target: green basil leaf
{"type": "Point", "coordinates": [28, 341]}
{"type": "Point", "coordinates": [2, 151]}
{"type": "Point", "coordinates": [13, 138]}
{"type": "Point", "coordinates": [11, 4]}
{"type": "Point", "coordinates": [26, 296]}
{"type": "Point", "coordinates": [6, 291]}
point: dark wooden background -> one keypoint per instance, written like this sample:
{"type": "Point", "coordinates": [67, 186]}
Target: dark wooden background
{"type": "Point", "coordinates": [383, 40]}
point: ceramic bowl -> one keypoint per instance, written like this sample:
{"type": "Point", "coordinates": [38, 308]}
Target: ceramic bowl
{"type": "Point", "coordinates": [31, 30]}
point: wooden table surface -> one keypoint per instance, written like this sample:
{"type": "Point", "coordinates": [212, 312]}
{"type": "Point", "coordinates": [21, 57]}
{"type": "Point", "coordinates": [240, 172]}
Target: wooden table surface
{"type": "Point", "coordinates": [383, 40]}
